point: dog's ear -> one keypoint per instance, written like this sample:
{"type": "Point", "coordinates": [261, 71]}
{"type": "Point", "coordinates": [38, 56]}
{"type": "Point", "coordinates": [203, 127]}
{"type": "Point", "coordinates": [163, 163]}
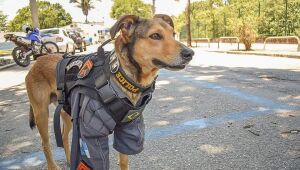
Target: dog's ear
{"type": "Point", "coordinates": [166, 18]}
{"type": "Point", "coordinates": [125, 24]}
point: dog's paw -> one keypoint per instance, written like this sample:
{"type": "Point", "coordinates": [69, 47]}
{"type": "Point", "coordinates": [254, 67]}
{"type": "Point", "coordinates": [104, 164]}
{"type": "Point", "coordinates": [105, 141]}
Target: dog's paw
{"type": "Point", "coordinates": [54, 167]}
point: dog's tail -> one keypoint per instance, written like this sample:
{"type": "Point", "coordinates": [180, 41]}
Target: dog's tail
{"type": "Point", "coordinates": [31, 118]}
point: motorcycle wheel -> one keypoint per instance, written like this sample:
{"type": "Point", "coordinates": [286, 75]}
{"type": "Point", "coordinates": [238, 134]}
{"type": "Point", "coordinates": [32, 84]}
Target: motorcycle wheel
{"type": "Point", "coordinates": [18, 56]}
{"type": "Point", "coordinates": [49, 48]}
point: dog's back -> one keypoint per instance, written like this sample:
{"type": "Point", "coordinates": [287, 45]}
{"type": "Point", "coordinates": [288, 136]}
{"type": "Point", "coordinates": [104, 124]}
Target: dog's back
{"type": "Point", "coordinates": [40, 83]}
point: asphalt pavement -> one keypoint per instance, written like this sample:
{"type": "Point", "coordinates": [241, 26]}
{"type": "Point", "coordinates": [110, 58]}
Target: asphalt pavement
{"type": "Point", "coordinates": [224, 111]}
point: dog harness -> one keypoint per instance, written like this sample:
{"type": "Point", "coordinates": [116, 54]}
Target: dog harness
{"type": "Point", "coordinates": [99, 107]}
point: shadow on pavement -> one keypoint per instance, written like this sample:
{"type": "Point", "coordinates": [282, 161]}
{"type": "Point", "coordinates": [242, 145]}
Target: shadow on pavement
{"type": "Point", "coordinates": [177, 100]}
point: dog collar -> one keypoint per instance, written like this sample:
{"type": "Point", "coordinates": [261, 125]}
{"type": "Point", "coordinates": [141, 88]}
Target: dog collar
{"type": "Point", "coordinates": [122, 78]}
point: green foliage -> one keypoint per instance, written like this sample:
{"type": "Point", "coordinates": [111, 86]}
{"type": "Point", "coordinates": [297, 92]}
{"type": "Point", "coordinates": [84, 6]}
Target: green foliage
{"type": "Point", "coordinates": [272, 19]}
{"type": "Point", "coordinates": [215, 18]}
{"type": "Point", "coordinates": [3, 21]}
{"type": "Point", "coordinates": [50, 15]}
{"type": "Point", "coordinates": [135, 7]}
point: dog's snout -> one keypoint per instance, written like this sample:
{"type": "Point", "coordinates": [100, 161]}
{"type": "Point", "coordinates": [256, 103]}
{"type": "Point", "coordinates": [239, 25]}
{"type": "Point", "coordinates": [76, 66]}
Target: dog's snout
{"type": "Point", "coordinates": [187, 54]}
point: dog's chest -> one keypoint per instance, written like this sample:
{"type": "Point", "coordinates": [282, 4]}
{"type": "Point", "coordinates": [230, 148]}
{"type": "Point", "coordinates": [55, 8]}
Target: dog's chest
{"type": "Point", "coordinates": [90, 75]}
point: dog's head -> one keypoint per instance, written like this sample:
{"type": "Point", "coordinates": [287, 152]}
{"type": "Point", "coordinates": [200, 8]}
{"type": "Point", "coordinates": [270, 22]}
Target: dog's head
{"type": "Point", "coordinates": [151, 42]}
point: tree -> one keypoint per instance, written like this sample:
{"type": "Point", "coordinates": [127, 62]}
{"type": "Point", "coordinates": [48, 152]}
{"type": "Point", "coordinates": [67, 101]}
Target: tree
{"type": "Point", "coordinates": [243, 24]}
{"type": "Point", "coordinates": [135, 7]}
{"type": "Point", "coordinates": [50, 15]}
{"type": "Point", "coordinates": [153, 7]}
{"type": "Point", "coordinates": [34, 13]}
{"type": "Point", "coordinates": [273, 20]}
{"type": "Point", "coordinates": [3, 21]}
{"type": "Point", "coordinates": [188, 23]}
{"type": "Point", "coordinates": [85, 6]}
{"type": "Point", "coordinates": [215, 18]}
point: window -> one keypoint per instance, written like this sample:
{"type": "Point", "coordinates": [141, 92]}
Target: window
{"type": "Point", "coordinates": [55, 31]}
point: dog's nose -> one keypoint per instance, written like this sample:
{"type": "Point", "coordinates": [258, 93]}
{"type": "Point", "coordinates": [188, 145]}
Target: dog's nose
{"type": "Point", "coordinates": [187, 54]}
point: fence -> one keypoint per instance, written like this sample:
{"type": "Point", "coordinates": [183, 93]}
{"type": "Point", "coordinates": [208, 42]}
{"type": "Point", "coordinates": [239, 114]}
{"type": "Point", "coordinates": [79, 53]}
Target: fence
{"type": "Point", "coordinates": [223, 38]}
{"type": "Point", "coordinates": [196, 40]}
{"type": "Point", "coordinates": [283, 37]}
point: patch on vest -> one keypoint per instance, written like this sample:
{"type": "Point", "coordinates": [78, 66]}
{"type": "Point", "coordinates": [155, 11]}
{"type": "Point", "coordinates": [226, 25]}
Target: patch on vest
{"type": "Point", "coordinates": [125, 83]}
{"type": "Point", "coordinates": [77, 63]}
{"type": "Point", "coordinates": [131, 116]}
{"type": "Point", "coordinates": [83, 166]}
{"type": "Point", "coordinates": [86, 68]}
{"type": "Point", "coordinates": [114, 64]}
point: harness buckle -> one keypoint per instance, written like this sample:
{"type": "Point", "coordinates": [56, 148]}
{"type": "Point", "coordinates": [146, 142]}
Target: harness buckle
{"type": "Point", "coordinates": [106, 93]}
{"type": "Point", "coordinates": [61, 99]}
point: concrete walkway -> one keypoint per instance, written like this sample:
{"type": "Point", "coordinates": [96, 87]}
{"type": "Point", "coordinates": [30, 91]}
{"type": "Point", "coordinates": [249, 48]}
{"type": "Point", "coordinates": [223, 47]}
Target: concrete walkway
{"type": "Point", "coordinates": [288, 54]}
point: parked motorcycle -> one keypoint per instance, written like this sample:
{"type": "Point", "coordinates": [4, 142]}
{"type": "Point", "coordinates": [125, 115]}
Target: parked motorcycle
{"type": "Point", "coordinates": [31, 45]}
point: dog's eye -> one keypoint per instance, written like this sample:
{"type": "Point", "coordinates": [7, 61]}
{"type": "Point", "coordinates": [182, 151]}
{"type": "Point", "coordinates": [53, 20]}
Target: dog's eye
{"type": "Point", "coordinates": [155, 36]}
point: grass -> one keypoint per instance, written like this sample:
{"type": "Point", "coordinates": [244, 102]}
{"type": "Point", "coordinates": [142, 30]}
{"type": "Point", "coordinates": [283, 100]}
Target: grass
{"type": "Point", "coordinates": [5, 61]}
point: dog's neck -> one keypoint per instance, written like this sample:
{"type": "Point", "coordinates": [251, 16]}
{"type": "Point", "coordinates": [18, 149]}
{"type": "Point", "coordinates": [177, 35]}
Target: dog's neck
{"type": "Point", "coordinates": [143, 76]}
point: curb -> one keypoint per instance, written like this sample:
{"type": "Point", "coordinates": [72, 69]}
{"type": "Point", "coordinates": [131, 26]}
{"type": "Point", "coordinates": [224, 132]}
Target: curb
{"type": "Point", "coordinates": [4, 55]}
{"type": "Point", "coordinates": [262, 54]}
{"type": "Point", "coordinates": [7, 66]}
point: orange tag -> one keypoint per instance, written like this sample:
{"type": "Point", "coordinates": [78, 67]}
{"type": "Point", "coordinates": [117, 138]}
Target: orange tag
{"type": "Point", "coordinates": [83, 166]}
{"type": "Point", "coordinates": [85, 69]}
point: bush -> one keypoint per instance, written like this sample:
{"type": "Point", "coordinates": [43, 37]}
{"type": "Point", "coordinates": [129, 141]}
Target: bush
{"type": "Point", "coordinates": [247, 35]}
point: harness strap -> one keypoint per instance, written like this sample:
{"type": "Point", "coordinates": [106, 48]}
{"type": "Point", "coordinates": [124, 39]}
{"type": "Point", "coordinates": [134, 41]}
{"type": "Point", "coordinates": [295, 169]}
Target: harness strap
{"type": "Point", "coordinates": [57, 129]}
{"type": "Point", "coordinates": [60, 77]}
{"type": "Point", "coordinates": [75, 151]}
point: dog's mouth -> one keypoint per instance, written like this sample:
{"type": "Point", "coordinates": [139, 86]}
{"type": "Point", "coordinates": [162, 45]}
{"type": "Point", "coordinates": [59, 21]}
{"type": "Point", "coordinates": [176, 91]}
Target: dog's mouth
{"type": "Point", "coordinates": [161, 64]}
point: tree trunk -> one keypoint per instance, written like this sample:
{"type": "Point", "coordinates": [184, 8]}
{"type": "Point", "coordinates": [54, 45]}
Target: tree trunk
{"type": "Point", "coordinates": [86, 21]}
{"type": "Point", "coordinates": [34, 13]}
{"type": "Point", "coordinates": [188, 23]}
{"type": "Point", "coordinates": [153, 7]}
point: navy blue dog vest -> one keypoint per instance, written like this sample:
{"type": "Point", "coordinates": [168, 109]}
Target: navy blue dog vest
{"type": "Point", "coordinates": [98, 107]}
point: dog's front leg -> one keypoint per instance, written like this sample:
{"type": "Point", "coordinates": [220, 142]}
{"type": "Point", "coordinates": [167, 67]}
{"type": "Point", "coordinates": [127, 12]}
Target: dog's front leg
{"type": "Point", "coordinates": [123, 161]}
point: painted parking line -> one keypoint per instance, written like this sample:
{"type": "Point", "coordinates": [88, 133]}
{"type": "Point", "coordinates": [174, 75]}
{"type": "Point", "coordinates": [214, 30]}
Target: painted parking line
{"type": "Point", "coordinates": [193, 124]}
{"type": "Point", "coordinates": [262, 101]}
{"type": "Point", "coordinates": [37, 158]}
{"type": "Point", "coordinates": [267, 107]}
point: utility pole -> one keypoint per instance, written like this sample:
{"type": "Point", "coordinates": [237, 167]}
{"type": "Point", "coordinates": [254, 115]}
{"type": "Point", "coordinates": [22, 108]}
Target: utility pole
{"type": "Point", "coordinates": [224, 24]}
{"type": "Point", "coordinates": [225, 19]}
{"type": "Point", "coordinates": [206, 36]}
{"type": "Point", "coordinates": [259, 8]}
{"type": "Point", "coordinates": [188, 23]}
{"type": "Point", "coordinates": [153, 7]}
{"type": "Point", "coordinates": [34, 13]}
{"type": "Point", "coordinates": [286, 16]}
{"type": "Point", "coordinates": [198, 28]}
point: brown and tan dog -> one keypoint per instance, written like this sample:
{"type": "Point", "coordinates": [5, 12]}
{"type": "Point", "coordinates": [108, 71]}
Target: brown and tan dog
{"type": "Point", "coordinates": [143, 47]}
